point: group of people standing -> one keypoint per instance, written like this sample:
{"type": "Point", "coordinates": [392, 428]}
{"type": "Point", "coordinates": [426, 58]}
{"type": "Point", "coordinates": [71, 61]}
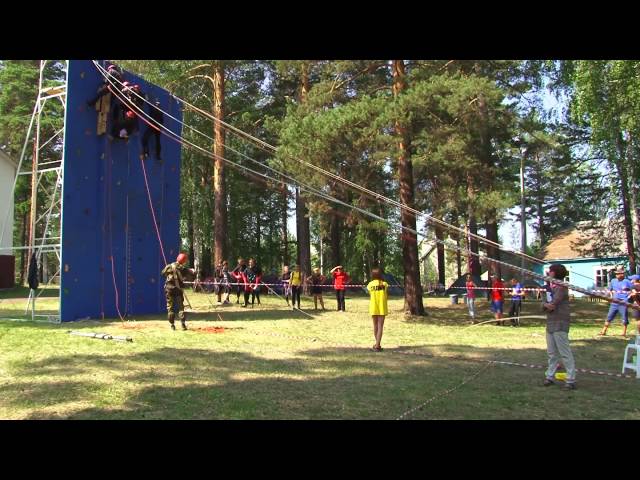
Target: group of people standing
{"type": "Point", "coordinates": [496, 293]}
{"type": "Point", "coordinates": [555, 304]}
{"type": "Point", "coordinates": [248, 279]}
{"type": "Point", "coordinates": [245, 279]}
{"type": "Point", "coordinates": [293, 283]}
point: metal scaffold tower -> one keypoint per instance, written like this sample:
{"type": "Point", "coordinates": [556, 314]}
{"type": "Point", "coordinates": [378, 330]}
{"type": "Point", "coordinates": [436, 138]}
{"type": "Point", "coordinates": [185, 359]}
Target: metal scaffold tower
{"type": "Point", "coordinates": [45, 166]}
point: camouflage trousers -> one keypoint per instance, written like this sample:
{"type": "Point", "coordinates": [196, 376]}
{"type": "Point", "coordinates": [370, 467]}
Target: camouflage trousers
{"type": "Point", "coordinates": [175, 299]}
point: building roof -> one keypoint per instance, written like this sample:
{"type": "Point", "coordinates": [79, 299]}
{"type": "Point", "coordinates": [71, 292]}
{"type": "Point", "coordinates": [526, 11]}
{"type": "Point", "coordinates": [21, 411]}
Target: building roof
{"type": "Point", "coordinates": [6, 158]}
{"type": "Point", "coordinates": [579, 242]}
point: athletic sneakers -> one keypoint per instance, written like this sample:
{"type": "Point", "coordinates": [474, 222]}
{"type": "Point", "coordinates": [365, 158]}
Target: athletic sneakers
{"type": "Point", "coordinates": [173, 327]}
{"type": "Point", "coordinates": [570, 386]}
{"type": "Point", "coordinates": [547, 382]}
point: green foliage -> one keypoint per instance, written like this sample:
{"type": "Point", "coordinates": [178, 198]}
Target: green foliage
{"type": "Point", "coordinates": [468, 123]}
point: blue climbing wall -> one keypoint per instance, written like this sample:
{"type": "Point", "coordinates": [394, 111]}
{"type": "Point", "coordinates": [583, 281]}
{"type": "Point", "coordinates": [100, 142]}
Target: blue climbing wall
{"type": "Point", "coordinates": [105, 207]}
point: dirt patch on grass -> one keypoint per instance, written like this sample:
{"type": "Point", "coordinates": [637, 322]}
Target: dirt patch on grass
{"type": "Point", "coordinates": [209, 329]}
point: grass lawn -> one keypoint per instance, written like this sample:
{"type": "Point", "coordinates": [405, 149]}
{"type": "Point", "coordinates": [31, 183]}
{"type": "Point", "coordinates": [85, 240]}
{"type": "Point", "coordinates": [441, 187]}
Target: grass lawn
{"type": "Point", "coordinates": [273, 363]}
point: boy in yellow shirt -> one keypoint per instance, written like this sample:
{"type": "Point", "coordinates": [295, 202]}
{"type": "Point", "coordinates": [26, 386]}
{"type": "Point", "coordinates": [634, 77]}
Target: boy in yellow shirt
{"type": "Point", "coordinates": [296, 286]}
{"type": "Point", "coordinates": [378, 292]}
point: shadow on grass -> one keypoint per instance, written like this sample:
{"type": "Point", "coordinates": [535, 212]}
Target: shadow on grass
{"type": "Point", "coordinates": [315, 383]}
{"type": "Point", "coordinates": [23, 292]}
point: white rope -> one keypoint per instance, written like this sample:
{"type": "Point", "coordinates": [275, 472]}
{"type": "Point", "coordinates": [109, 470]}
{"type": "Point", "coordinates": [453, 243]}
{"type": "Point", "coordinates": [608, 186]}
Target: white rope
{"type": "Point", "coordinates": [375, 195]}
{"type": "Point", "coordinates": [446, 392]}
{"type": "Point", "coordinates": [330, 198]}
{"type": "Point", "coordinates": [542, 317]}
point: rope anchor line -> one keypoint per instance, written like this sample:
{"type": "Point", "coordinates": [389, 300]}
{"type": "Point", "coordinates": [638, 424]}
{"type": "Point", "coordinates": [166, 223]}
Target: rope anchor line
{"type": "Point", "coordinates": [175, 137]}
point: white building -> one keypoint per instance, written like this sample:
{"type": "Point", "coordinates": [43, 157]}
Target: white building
{"type": "Point", "coordinates": [7, 261]}
{"type": "Point", "coordinates": [7, 174]}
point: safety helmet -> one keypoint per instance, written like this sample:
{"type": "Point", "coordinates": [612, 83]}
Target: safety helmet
{"type": "Point", "coordinates": [130, 114]}
{"type": "Point", "coordinates": [182, 258]}
{"type": "Point", "coordinates": [135, 87]}
{"type": "Point", "coordinates": [125, 84]}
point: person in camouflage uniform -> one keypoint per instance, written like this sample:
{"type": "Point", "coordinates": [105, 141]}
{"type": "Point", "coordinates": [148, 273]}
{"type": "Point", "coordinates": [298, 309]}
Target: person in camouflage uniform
{"type": "Point", "coordinates": [176, 273]}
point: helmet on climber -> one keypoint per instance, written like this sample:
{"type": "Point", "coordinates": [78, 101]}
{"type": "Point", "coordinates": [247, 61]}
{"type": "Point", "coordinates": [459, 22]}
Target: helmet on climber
{"type": "Point", "coordinates": [182, 258]}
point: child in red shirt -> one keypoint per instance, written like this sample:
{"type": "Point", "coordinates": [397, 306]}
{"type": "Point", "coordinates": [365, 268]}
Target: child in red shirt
{"type": "Point", "coordinates": [497, 297]}
{"type": "Point", "coordinates": [340, 278]}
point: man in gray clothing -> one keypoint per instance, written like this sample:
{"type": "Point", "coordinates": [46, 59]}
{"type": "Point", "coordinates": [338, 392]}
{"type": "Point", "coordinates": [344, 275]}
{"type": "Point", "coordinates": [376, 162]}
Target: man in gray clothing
{"type": "Point", "coordinates": [558, 330]}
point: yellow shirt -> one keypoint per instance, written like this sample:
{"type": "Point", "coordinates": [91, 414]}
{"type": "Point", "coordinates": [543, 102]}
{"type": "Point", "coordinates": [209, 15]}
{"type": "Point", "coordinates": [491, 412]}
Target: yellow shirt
{"type": "Point", "coordinates": [296, 278]}
{"type": "Point", "coordinates": [379, 292]}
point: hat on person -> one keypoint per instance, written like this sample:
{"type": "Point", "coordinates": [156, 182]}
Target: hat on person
{"type": "Point", "coordinates": [620, 270]}
{"type": "Point", "coordinates": [635, 278]}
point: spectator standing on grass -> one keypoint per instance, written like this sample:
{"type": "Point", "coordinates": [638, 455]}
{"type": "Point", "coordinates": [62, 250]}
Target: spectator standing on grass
{"type": "Point", "coordinates": [296, 286]}
{"type": "Point", "coordinates": [316, 279]}
{"type": "Point", "coordinates": [558, 320]}
{"type": "Point", "coordinates": [619, 289]}
{"type": "Point", "coordinates": [471, 297]}
{"type": "Point", "coordinates": [340, 278]}
{"type": "Point", "coordinates": [238, 275]}
{"type": "Point", "coordinates": [286, 279]}
{"type": "Point", "coordinates": [497, 297]}
{"type": "Point", "coordinates": [378, 295]}
{"type": "Point", "coordinates": [516, 302]}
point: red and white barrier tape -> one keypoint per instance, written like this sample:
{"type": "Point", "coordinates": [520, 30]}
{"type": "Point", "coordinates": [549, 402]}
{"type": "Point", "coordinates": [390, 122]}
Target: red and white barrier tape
{"type": "Point", "coordinates": [271, 284]}
{"type": "Point", "coordinates": [502, 288]}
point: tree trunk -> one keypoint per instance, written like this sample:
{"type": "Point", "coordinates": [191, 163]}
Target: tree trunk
{"type": "Point", "coordinates": [486, 158]}
{"type": "Point", "coordinates": [412, 287]}
{"type": "Point", "coordinates": [540, 203]}
{"type": "Point", "coordinates": [190, 234]}
{"type": "Point", "coordinates": [23, 253]}
{"type": "Point", "coordinates": [458, 255]}
{"type": "Point", "coordinates": [303, 233]}
{"type": "Point", "coordinates": [474, 261]}
{"type": "Point", "coordinates": [206, 261]}
{"type": "Point", "coordinates": [302, 212]}
{"type": "Point", "coordinates": [440, 255]}
{"type": "Point", "coordinates": [624, 193]}
{"type": "Point", "coordinates": [285, 233]}
{"type": "Point", "coordinates": [492, 235]}
{"type": "Point", "coordinates": [634, 175]}
{"type": "Point", "coordinates": [335, 231]}
{"type": "Point", "coordinates": [258, 235]}
{"type": "Point", "coordinates": [219, 189]}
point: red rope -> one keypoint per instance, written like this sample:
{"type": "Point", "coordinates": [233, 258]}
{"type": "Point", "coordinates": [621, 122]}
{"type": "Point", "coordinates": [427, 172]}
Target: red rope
{"type": "Point", "coordinates": [153, 213]}
{"type": "Point", "coordinates": [113, 273]}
